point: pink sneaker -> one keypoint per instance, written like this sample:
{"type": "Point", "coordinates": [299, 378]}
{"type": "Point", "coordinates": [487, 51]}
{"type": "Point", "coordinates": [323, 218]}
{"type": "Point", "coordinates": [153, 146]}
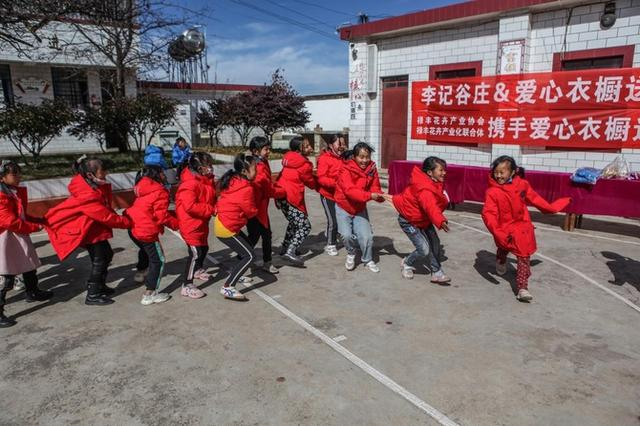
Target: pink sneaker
{"type": "Point", "coordinates": [202, 275]}
{"type": "Point", "coordinates": [192, 292]}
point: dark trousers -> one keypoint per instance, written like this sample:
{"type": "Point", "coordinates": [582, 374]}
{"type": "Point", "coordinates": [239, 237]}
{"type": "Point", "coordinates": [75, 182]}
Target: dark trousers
{"type": "Point", "coordinates": [101, 256]}
{"type": "Point", "coordinates": [241, 245]}
{"type": "Point", "coordinates": [332, 223]}
{"type": "Point", "coordinates": [195, 261]}
{"type": "Point", "coordinates": [150, 256]}
{"type": "Point", "coordinates": [7, 282]}
{"type": "Point", "coordinates": [256, 231]}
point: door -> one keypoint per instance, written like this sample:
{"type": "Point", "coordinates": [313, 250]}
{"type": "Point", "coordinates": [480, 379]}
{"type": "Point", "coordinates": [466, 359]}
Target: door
{"type": "Point", "coordinates": [395, 98]}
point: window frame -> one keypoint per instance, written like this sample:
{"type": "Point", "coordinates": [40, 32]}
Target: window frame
{"type": "Point", "coordinates": [80, 90]}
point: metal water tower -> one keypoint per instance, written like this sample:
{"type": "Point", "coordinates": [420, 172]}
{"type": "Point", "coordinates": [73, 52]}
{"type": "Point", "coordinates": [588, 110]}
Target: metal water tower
{"type": "Point", "coordinates": [188, 57]}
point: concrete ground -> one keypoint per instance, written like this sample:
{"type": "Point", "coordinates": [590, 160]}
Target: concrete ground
{"type": "Point", "coordinates": [323, 346]}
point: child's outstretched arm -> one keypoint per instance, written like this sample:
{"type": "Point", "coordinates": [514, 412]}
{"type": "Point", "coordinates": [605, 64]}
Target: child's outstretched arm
{"type": "Point", "coordinates": [106, 216]}
{"type": "Point", "coordinates": [323, 176]}
{"type": "Point", "coordinates": [350, 190]}
{"type": "Point", "coordinates": [14, 223]}
{"type": "Point", "coordinates": [163, 215]}
{"type": "Point", "coordinates": [430, 207]}
{"type": "Point", "coordinates": [307, 177]}
{"type": "Point", "coordinates": [534, 199]}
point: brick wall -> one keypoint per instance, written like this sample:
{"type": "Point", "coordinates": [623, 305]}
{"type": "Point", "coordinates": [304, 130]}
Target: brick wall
{"type": "Point", "coordinates": [544, 35]}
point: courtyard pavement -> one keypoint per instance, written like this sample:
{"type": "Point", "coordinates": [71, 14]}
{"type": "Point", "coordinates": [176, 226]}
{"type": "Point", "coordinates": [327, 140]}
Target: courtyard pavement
{"type": "Point", "coordinates": [323, 346]}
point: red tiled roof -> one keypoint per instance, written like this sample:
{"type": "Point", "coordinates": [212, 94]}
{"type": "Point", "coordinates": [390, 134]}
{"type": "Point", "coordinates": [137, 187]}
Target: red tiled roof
{"type": "Point", "coordinates": [196, 86]}
{"type": "Point", "coordinates": [431, 16]}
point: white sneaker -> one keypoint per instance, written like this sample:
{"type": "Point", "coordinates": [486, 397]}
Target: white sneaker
{"type": "Point", "coordinates": [501, 268]}
{"type": "Point", "coordinates": [245, 280]}
{"type": "Point", "coordinates": [140, 276]}
{"type": "Point", "coordinates": [18, 284]}
{"type": "Point", "coordinates": [372, 266]}
{"type": "Point", "coordinates": [155, 297]}
{"type": "Point", "coordinates": [232, 293]}
{"type": "Point", "coordinates": [524, 295]}
{"type": "Point", "coordinates": [331, 250]}
{"type": "Point", "coordinates": [268, 267]}
{"type": "Point", "coordinates": [407, 271]}
{"type": "Point", "coordinates": [350, 263]}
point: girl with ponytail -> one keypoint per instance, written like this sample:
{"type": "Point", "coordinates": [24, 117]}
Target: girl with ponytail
{"type": "Point", "coordinates": [235, 207]}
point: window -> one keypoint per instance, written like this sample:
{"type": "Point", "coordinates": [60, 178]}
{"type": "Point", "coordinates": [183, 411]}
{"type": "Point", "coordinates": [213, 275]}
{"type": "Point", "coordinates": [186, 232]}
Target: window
{"type": "Point", "coordinates": [70, 86]}
{"type": "Point", "coordinates": [610, 57]}
{"type": "Point", "coordinates": [401, 81]}
{"type": "Point", "coordinates": [6, 91]}
{"type": "Point", "coordinates": [460, 69]}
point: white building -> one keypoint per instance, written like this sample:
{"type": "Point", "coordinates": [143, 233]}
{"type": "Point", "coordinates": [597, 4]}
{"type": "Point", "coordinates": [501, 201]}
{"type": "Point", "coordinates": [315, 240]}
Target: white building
{"type": "Point", "coordinates": [52, 72]}
{"type": "Point", "coordinates": [465, 39]}
{"type": "Point", "coordinates": [191, 98]}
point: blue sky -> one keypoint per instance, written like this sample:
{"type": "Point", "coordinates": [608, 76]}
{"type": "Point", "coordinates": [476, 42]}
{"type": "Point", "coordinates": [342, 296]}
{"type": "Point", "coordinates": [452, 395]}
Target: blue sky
{"type": "Point", "coordinates": [249, 39]}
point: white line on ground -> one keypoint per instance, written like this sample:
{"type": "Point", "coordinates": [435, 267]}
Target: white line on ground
{"type": "Point", "coordinates": [339, 338]}
{"type": "Point", "coordinates": [277, 296]}
{"type": "Point", "coordinates": [573, 233]}
{"type": "Point", "coordinates": [358, 362]}
{"type": "Point", "coordinates": [567, 267]}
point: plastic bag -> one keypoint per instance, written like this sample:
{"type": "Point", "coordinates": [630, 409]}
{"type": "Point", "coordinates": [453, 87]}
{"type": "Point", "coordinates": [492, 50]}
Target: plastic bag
{"type": "Point", "coordinates": [587, 175]}
{"type": "Point", "coordinates": [617, 169]}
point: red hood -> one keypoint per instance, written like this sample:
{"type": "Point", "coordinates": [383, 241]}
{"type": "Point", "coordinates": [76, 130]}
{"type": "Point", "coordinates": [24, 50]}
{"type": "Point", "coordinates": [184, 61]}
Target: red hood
{"type": "Point", "coordinates": [294, 160]}
{"type": "Point", "coordinates": [237, 183]}
{"type": "Point", "coordinates": [353, 167]}
{"type": "Point", "coordinates": [330, 153]}
{"type": "Point", "coordinates": [147, 186]}
{"type": "Point", "coordinates": [79, 188]}
{"type": "Point", "coordinates": [187, 174]}
{"type": "Point", "coordinates": [420, 180]}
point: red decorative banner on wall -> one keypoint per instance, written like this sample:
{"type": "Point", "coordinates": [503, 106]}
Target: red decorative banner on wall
{"type": "Point", "coordinates": [582, 109]}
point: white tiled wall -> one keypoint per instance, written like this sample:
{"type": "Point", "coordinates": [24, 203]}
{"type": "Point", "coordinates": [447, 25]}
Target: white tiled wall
{"type": "Point", "coordinates": [544, 34]}
{"type": "Point", "coordinates": [63, 143]}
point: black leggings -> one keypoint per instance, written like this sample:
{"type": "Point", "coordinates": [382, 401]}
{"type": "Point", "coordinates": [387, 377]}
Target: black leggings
{"type": "Point", "coordinates": [332, 223]}
{"type": "Point", "coordinates": [257, 230]}
{"type": "Point", "coordinates": [7, 282]}
{"type": "Point", "coordinates": [150, 256]}
{"type": "Point", "coordinates": [299, 226]}
{"type": "Point", "coordinates": [241, 245]}
{"type": "Point", "coordinates": [101, 256]}
{"type": "Point", "coordinates": [197, 255]}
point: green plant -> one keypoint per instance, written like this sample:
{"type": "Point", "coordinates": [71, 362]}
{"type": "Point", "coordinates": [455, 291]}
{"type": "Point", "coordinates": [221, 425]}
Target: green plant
{"type": "Point", "coordinates": [30, 128]}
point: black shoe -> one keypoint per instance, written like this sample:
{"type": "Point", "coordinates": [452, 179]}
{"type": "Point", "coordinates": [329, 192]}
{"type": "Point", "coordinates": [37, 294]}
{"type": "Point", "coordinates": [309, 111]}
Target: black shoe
{"type": "Point", "coordinates": [38, 295]}
{"type": "Point", "coordinates": [6, 322]}
{"type": "Point", "coordinates": [106, 290]}
{"type": "Point", "coordinates": [95, 297]}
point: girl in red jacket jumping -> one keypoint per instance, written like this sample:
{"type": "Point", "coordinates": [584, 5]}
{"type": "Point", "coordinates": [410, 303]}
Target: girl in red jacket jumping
{"type": "Point", "coordinates": [357, 184]}
{"type": "Point", "coordinates": [195, 205]}
{"type": "Point", "coordinates": [420, 208]}
{"type": "Point", "coordinates": [259, 226]}
{"type": "Point", "coordinates": [297, 172]}
{"type": "Point", "coordinates": [329, 165]}
{"type": "Point", "coordinates": [149, 214]}
{"type": "Point", "coordinates": [506, 216]}
{"type": "Point", "coordinates": [17, 253]}
{"type": "Point", "coordinates": [86, 219]}
{"type": "Point", "coordinates": [236, 206]}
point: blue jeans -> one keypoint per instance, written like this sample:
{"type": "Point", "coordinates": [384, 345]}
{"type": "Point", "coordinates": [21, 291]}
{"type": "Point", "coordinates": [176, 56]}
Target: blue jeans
{"type": "Point", "coordinates": [426, 242]}
{"type": "Point", "coordinates": [356, 229]}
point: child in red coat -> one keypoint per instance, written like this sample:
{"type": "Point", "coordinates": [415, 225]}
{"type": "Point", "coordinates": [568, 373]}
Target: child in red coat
{"type": "Point", "coordinates": [86, 219]}
{"type": "Point", "coordinates": [259, 226]}
{"type": "Point", "coordinates": [17, 253]}
{"type": "Point", "coordinates": [195, 205]}
{"type": "Point", "coordinates": [149, 215]}
{"type": "Point", "coordinates": [297, 172]}
{"type": "Point", "coordinates": [420, 208]}
{"type": "Point", "coordinates": [235, 207]}
{"type": "Point", "coordinates": [506, 216]}
{"type": "Point", "coordinates": [329, 164]}
{"type": "Point", "coordinates": [358, 183]}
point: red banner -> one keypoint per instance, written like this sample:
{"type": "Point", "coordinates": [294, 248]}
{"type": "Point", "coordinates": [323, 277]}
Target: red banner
{"type": "Point", "coordinates": [584, 109]}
